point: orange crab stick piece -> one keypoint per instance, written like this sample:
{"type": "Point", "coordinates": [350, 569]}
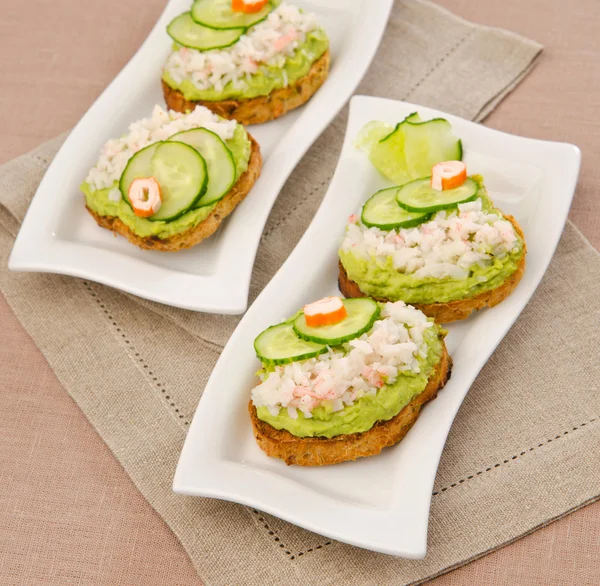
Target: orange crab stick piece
{"type": "Point", "coordinates": [325, 312]}
{"type": "Point", "coordinates": [247, 6]}
{"type": "Point", "coordinates": [448, 175]}
{"type": "Point", "coordinates": [145, 197]}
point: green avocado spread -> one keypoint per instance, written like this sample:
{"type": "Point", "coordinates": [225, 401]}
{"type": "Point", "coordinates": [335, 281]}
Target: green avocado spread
{"type": "Point", "coordinates": [369, 409]}
{"type": "Point", "coordinates": [98, 201]}
{"type": "Point", "coordinates": [379, 278]}
{"type": "Point", "coordinates": [267, 79]}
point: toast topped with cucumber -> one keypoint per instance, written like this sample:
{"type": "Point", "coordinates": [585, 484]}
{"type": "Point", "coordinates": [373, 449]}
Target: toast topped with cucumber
{"type": "Point", "coordinates": [246, 60]}
{"type": "Point", "coordinates": [343, 379]}
{"type": "Point", "coordinates": [435, 240]}
{"type": "Point", "coordinates": [172, 179]}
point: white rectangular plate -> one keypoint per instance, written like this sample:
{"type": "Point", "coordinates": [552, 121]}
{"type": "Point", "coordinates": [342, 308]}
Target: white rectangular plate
{"type": "Point", "coordinates": [380, 503]}
{"type": "Point", "coordinates": [59, 236]}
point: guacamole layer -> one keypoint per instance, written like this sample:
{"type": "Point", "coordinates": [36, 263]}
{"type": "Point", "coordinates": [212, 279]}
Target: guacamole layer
{"type": "Point", "coordinates": [380, 279]}
{"type": "Point", "coordinates": [98, 201]}
{"type": "Point", "coordinates": [369, 409]}
{"type": "Point", "coordinates": [266, 79]}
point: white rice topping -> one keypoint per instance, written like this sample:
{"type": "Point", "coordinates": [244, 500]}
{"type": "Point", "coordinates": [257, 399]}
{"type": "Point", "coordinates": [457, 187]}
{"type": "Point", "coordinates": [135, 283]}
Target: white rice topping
{"type": "Point", "coordinates": [268, 43]}
{"type": "Point", "coordinates": [340, 377]}
{"type": "Point", "coordinates": [160, 126]}
{"type": "Point", "coordinates": [449, 245]}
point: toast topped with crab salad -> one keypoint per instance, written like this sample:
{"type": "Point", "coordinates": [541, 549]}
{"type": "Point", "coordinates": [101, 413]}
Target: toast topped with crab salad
{"type": "Point", "coordinates": [171, 180]}
{"type": "Point", "coordinates": [247, 60]}
{"type": "Point", "coordinates": [343, 379]}
{"type": "Point", "coordinates": [435, 241]}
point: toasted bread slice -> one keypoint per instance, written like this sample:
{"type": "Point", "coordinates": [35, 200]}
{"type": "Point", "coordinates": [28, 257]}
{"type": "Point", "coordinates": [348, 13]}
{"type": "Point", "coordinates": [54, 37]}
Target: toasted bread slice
{"type": "Point", "coordinates": [452, 310]}
{"type": "Point", "coordinates": [262, 108]}
{"type": "Point", "coordinates": [319, 451]}
{"type": "Point", "coordinates": [202, 230]}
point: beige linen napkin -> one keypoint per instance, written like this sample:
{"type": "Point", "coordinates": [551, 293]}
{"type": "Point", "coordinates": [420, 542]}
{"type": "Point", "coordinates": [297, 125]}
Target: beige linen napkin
{"type": "Point", "coordinates": [518, 454]}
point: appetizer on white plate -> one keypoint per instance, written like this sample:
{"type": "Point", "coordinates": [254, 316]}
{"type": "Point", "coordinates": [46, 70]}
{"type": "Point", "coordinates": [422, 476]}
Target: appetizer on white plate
{"type": "Point", "coordinates": [248, 60]}
{"type": "Point", "coordinates": [435, 240]}
{"type": "Point", "coordinates": [171, 180]}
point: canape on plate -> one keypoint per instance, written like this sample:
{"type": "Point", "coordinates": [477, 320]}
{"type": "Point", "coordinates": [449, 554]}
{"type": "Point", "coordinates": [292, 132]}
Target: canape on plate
{"type": "Point", "coordinates": [344, 379]}
{"type": "Point", "coordinates": [437, 241]}
{"type": "Point", "coordinates": [171, 180]}
{"type": "Point", "coordinates": [248, 61]}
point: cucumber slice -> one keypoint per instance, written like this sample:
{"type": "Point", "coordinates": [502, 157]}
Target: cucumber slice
{"type": "Point", "coordinates": [419, 196]}
{"type": "Point", "coordinates": [362, 313]}
{"type": "Point", "coordinates": [429, 143]}
{"type": "Point", "coordinates": [413, 117]}
{"type": "Point", "coordinates": [218, 14]}
{"type": "Point", "coordinates": [181, 173]}
{"type": "Point", "coordinates": [413, 147]}
{"type": "Point", "coordinates": [280, 345]}
{"type": "Point", "coordinates": [219, 162]}
{"type": "Point", "coordinates": [388, 154]}
{"type": "Point", "coordinates": [140, 165]}
{"type": "Point", "coordinates": [382, 211]}
{"type": "Point", "coordinates": [187, 32]}
{"type": "Point", "coordinates": [370, 134]}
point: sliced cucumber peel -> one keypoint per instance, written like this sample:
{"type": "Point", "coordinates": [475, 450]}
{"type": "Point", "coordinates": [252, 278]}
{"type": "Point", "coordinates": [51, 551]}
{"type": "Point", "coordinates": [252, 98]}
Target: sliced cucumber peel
{"type": "Point", "coordinates": [382, 211]}
{"type": "Point", "coordinates": [419, 196]}
{"type": "Point", "coordinates": [362, 314]}
{"type": "Point", "coordinates": [280, 345]}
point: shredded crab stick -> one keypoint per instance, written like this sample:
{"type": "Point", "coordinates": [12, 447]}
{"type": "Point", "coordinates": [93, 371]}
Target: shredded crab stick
{"type": "Point", "coordinates": [448, 175]}
{"type": "Point", "coordinates": [248, 6]}
{"type": "Point", "coordinates": [282, 42]}
{"type": "Point", "coordinates": [325, 312]}
{"type": "Point", "coordinates": [145, 197]}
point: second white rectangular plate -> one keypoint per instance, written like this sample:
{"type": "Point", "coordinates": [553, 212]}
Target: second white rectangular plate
{"type": "Point", "coordinates": [59, 236]}
{"type": "Point", "coordinates": [380, 503]}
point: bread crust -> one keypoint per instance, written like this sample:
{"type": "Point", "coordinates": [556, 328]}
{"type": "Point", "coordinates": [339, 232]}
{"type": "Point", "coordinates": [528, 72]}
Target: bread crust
{"type": "Point", "coordinates": [202, 230]}
{"type": "Point", "coordinates": [261, 108]}
{"type": "Point", "coordinates": [320, 451]}
{"type": "Point", "coordinates": [460, 308]}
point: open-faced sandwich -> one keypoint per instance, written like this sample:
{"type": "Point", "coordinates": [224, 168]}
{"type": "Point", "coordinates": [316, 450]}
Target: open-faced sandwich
{"type": "Point", "coordinates": [247, 60]}
{"type": "Point", "coordinates": [344, 379]}
{"type": "Point", "coordinates": [435, 241]}
{"type": "Point", "coordinates": [172, 179]}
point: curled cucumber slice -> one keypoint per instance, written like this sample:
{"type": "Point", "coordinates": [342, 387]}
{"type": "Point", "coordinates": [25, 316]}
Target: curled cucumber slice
{"type": "Point", "coordinates": [429, 143]}
{"type": "Point", "coordinates": [382, 211]}
{"type": "Point", "coordinates": [362, 314]}
{"type": "Point", "coordinates": [185, 31]}
{"type": "Point", "coordinates": [414, 147]}
{"type": "Point", "coordinates": [388, 154]}
{"type": "Point", "coordinates": [280, 345]}
{"type": "Point", "coordinates": [419, 196]}
{"type": "Point", "coordinates": [219, 162]}
{"type": "Point", "coordinates": [218, 14]}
